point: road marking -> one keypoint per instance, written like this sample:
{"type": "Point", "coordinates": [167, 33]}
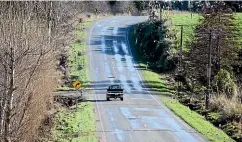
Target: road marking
{"type": "Point", "coordinates": [115, 30]}
{"type": "Point", "coordinates": [174, 116]}
{"type": "Point", "coordinates": [119, 133]}
{"type": "Point", "coordinates": [97, 104]}
{"type": "Point", "coordinates": [120, 67]}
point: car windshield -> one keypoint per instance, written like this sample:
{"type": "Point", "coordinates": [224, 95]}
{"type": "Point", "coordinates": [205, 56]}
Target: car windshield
{"type": "Point", "coordinates": [115, 87]}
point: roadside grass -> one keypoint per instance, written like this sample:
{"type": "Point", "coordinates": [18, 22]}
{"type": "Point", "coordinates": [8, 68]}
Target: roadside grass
{"type": "Point", "coordinates": [78, 58]}
{"type": "Point", "coordinates": [66, 120]}
{"type": "Point", "coordinates": [66, 124]}
{"type": "Point", "coordinates": [154, 80]}
{"type": "Point", "coordinates": [197, 121]}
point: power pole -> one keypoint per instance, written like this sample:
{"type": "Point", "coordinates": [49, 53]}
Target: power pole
{"type": "Point", "coordinates": [160, 13]}
{"type": "Point", "coordinates": [180, 61]}
{"type": "Point", "coordinates": [208, 72]}
{"type": "Point", "coordinates": [180, 65]}
{"type": "Point", "coordinates": [218, 51]}
{"type": "Point", "coordinates": [161, 10]}
{"type": "Point", "coordinates": [181, 46]}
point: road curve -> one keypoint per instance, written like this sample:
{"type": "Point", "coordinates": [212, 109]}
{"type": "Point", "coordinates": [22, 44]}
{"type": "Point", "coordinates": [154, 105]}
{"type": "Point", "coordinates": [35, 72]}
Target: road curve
{"type": "Point", "coordinates": [140, 117]}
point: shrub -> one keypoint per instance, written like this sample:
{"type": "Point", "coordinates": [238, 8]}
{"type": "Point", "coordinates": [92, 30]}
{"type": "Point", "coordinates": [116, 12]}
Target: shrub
{"type": "Point", "coordinates": [225, 83]}
{"type": "Point", "coordinates": [154, 44]}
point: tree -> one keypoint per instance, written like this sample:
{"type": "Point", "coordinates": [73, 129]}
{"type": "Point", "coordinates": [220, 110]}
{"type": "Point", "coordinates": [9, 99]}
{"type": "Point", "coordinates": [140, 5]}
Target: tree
{"type": "Point", "coordinates": [123, 7]}
{"type": "Point", "coordinates": [235, 5]}
{"type": "Point", "coordinates": [217, 31]}
{"type": "Point", "coordinates": [141, 5]}
{"type": "Point", "coordinates": [32, 36]}
{"type": "Point", "coordinates": [154, 44]}
{"type": "Point", "coordinates": [112, 3]}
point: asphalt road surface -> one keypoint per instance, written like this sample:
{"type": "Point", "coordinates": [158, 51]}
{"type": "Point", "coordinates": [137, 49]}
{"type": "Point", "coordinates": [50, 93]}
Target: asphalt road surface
{"type": "Point", "coordinates": [141, 117]}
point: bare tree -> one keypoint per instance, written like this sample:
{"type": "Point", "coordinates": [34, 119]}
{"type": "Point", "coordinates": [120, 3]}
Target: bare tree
{"type": "Point", "coordinates": [32, 36]}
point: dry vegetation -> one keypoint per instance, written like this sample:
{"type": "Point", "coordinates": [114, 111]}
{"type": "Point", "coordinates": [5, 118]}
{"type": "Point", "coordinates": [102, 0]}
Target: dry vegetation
{"type": "Point", "coordinates": [34, 38]}
{"type": "Point", "coordinates": [227, 106]}
{"type": "Point", "coordinates": [33, 34]}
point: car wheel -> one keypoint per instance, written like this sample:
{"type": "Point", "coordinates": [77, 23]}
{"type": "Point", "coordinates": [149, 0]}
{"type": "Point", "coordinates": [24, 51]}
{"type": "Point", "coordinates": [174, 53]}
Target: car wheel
{"type": "Point", "coordinates": [122, 99]}
{"type": "Point", "coordinates": [108, 99]}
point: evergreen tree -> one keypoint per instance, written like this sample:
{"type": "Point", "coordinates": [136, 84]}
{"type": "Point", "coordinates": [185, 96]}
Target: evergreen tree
{"type": "Point", "coordinates": [217, 20]}
{"type": "Point", "coordinates": [141, 5]}
{"type": "Point", "coordinates": [154, 44]}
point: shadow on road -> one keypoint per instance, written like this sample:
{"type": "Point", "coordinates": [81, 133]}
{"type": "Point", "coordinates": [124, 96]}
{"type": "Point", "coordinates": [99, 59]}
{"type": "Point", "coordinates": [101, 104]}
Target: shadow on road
{"type": "Point", "coordinates": [94, 101]}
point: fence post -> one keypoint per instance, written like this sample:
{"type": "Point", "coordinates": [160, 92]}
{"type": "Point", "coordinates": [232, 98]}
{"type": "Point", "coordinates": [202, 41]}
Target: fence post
{"type": "Point", "coordinates": [219, 131]}
{"type": "Point", "coordinates": [76, 104]}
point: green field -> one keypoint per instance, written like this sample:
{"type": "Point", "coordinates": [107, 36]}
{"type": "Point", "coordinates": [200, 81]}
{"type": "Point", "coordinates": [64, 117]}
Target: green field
{"type": "Point", "coordinates": [66, 123]}
{"type": "Point", "coordinates": [238, 17]}
{"type": "Point", "coordinates": [188, 31]}
{"type": "Point", "coordinates": [189, 23]}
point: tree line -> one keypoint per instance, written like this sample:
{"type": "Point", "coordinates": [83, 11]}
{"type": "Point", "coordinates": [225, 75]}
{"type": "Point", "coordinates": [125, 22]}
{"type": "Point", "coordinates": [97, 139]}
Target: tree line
{"type": "Point", "coordinates": [194, 6]}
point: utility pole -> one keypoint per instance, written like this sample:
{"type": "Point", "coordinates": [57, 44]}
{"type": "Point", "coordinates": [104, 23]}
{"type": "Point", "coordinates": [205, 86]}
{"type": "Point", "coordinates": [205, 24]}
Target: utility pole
{"type": "Point", "coordinates": [161, 10]}
{"type": "Point", "coordinates": [208, 72]}
{"type": "Point", "coordinates": [180, 60]}
{"type": "Point", "coordinates": [181, 46]}
{"type": "Point", "coordinates": [180, 65]}
{"type": "Point", "coordinates": [218, 50]}
{"type": "Point", "coordinates": [160, 13]}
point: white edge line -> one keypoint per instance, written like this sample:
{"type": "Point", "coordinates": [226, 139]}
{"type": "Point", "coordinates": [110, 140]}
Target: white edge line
{"type": "Point", "coordinates": [97, 103]}
{"type": "Point", "coordinates": [183, 123]}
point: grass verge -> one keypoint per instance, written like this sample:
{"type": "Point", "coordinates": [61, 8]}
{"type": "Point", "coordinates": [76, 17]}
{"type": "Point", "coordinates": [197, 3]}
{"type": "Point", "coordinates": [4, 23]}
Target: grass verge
{"type": "Point", "coordinates": [157, 83]}
{"type": "Point", "coordinates": [78, 58]}
{"type": "Point", "coordinates": [66, 124]}
{"type": "Point", "coordinates": [197, 121]}
{"type": "Point", "coordinates": [70, 125]}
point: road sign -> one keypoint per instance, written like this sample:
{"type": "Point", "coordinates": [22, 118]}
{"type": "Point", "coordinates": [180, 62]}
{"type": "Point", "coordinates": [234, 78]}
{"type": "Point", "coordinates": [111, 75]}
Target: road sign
{"type": "Point", "coordinates": [77, 84]}
{"type": "Point", "coordinates": [95, 10]}
{"type": "Point", "coordinates": [129, 9]}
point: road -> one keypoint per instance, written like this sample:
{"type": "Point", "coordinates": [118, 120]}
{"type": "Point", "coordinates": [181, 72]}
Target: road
{"type": "Point", "coordinates": [141, 117]}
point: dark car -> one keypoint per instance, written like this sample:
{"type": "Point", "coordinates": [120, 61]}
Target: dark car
{"type": "Point", "coordinates": [115, 91]}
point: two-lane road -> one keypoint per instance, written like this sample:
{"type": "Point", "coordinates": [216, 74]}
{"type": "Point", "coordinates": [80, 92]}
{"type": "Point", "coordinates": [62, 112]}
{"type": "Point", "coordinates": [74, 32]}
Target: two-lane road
{"type": "Point", "coordinates": [140, 117]}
